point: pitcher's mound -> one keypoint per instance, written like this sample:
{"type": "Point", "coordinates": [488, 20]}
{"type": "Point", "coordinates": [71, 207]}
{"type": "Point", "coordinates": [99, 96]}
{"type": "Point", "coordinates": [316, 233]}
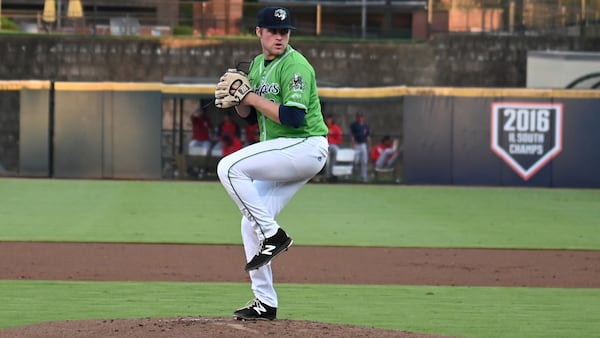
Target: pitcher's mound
{"type": "Point", "coordinates": [198, 327]}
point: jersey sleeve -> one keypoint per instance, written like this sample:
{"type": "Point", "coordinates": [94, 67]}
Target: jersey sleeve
{"type": "Point", "coordinates": [296, 85]}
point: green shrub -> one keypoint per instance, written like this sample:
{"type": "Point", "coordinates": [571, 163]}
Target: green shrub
{"type": "Point", "coordinates": [183, 30]}
{"type": "Point", "coordinates": [9, 25]}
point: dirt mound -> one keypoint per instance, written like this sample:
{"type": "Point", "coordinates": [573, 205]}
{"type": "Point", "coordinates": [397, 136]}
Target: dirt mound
{"type": "Point", "coordinates": [199, 327]}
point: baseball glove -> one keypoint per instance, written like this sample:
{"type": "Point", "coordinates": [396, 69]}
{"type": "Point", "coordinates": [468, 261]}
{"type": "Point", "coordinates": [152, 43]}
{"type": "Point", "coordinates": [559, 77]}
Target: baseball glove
{"type": "Point", "coordinates": [232, 89]}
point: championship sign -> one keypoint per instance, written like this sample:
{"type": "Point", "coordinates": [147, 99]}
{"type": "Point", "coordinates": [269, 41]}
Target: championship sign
{"type": "Point", "coordinates": [526, 135]}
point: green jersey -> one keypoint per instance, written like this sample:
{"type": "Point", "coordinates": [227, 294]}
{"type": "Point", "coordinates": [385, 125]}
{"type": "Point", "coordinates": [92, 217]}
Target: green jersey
{"type": "Point", "coordinates": [288, 80]}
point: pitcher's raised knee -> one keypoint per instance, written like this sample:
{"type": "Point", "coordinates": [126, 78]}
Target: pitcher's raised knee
{"type": "Point", "coordinates": [223, 169]}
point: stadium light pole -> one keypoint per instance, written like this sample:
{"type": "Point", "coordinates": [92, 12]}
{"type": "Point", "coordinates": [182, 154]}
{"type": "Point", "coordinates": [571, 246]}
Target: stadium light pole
{"type": "Point", "coordinates": [363, 23]}
{"type": "Point", "coordinates": [318, 28]}
{"type": "Point", "coordinates": [429, 17]}
{"type": "Point", "coordinates": [59, 14]}
{"type": "Point", "coordinates": [583, 14]}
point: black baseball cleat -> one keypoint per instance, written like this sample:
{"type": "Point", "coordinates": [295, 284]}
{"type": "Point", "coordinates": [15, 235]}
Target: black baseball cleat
{"type": "Point", "coordinates": [256, 310]}
{"type": "Point", "coordinates": [269, 248]}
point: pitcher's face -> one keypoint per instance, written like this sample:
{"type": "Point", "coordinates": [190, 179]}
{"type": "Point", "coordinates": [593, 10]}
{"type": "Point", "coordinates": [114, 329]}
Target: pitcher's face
{"type": "Point", "coordinates": [273, 41]}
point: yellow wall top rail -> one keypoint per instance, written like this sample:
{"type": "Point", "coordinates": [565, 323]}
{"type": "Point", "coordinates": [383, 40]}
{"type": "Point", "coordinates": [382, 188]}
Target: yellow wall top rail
{"type": "Point", "coordinates": [340, 93]}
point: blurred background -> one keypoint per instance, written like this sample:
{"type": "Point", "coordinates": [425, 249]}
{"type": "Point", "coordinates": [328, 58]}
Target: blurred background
{"type": "Point", "coordinates": [369, 19]}
{"type": "Point", "coordinates": [161, 58]}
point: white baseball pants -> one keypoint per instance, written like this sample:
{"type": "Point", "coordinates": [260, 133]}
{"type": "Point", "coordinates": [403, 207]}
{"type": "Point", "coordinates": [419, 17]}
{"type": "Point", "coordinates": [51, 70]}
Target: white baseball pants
{"type": "Point", "coordinates": [261, 179]}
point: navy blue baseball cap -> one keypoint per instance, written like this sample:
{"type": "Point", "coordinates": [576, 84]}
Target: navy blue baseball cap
{"type": "Point", "coordinates": [275, 18]}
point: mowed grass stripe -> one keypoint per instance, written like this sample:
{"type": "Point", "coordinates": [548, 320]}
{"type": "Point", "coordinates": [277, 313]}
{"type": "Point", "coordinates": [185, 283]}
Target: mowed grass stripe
{"type": "Point", "coordinates": [320, 214]}
{"type": "Point", "coordinates": [457, 311]}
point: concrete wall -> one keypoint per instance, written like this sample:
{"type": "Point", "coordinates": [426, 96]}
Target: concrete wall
{"type": "Point", "coordinates": [457, 60]}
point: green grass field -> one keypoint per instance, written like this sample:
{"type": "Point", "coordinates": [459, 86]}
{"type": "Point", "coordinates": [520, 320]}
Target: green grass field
{"type": "Point", "coordinates": [353, 215]}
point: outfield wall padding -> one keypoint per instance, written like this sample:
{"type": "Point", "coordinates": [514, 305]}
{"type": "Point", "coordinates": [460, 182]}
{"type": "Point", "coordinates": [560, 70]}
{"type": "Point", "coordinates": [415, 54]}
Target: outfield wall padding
{"type": "Point", "coordinates": [113, 130]}
{"type": "Point", "coordinates": [447, 140]}
{"type": "Point", "coordinates": [428, 140]}
{"type": "Point", "coordinates": [99, 132]}
{"type": "Point", "coordinates": [33, 133]}
{"type": "Point", "coordinates": [579, 163]}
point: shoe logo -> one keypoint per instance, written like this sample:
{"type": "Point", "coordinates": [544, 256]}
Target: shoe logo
{"type": "Point", "coordinates": [259, 308]}
{"type": "Point", "coordinates": [268, 250]}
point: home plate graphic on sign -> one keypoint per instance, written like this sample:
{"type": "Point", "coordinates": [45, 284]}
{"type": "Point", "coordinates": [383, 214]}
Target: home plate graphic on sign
{"type": "Point", "coordinates": [526, 135]}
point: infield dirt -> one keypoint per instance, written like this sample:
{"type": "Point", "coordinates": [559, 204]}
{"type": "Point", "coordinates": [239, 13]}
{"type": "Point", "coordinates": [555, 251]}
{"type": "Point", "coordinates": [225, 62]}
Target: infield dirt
{"type": "Point", "coordinates": [337, 265]}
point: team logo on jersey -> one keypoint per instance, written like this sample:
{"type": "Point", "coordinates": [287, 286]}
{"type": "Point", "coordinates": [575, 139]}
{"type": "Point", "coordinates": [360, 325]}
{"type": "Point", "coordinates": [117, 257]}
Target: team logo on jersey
{"type": "Point", "coordinates": [526, 135]}
{"type": "Point", "coordinates": [280, 14]}
{"type": "Point", "coordinates": [297, 84]}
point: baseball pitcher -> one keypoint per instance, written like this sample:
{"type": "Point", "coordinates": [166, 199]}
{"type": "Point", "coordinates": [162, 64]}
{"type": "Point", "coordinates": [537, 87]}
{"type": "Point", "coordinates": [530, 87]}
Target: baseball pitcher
{"type": "Point", "coordinates": [280, 91]}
